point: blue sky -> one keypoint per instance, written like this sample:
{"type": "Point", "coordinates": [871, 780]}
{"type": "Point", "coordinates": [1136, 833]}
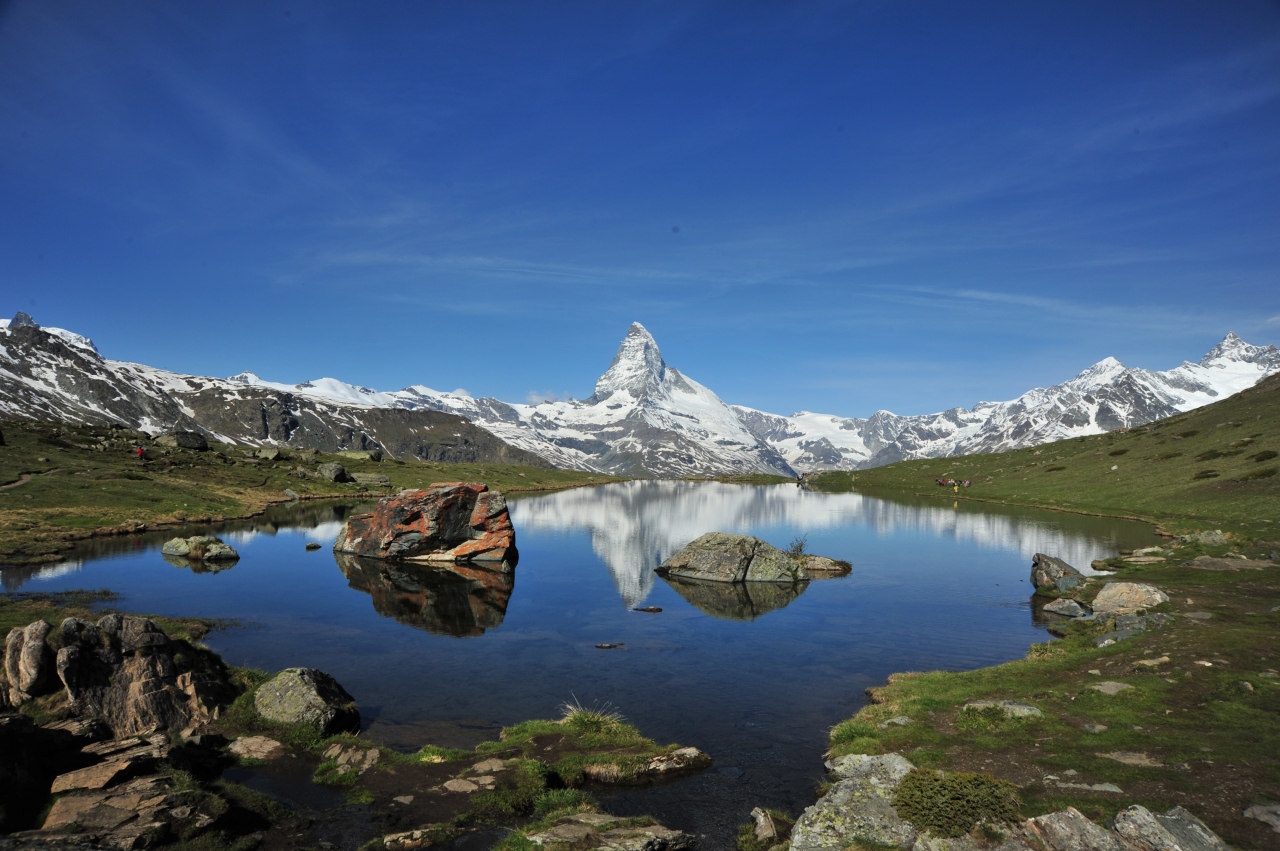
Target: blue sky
{"type": "Point", "coordinates": [812, 205]}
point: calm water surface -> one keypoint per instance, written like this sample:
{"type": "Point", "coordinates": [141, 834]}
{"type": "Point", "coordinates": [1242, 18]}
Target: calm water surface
{"type": "Point", "coordinates": [754, 676]}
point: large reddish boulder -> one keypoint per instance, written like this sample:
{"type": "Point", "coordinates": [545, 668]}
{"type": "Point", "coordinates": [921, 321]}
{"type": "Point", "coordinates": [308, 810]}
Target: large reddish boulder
{"type": "Point", "coordinates": [447, 522]}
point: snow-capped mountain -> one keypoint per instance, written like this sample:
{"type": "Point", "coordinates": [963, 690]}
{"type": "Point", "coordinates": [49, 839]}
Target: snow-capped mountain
{"type": "Point", "coordinates": [55, 375]}
{"type": "Point", "coordinates": [645, 417]}
{"type": "Point", "coordinates": [1106, 396]}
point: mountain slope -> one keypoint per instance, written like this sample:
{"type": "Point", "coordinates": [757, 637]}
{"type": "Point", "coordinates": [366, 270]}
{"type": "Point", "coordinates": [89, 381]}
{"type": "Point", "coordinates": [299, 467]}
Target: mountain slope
{"type": "Point", "coordinates": [53, 375]}
{"type": "Point", "coordinates": [1217, 465]}
{"type": "Point", "coordinates": [1105, 397]}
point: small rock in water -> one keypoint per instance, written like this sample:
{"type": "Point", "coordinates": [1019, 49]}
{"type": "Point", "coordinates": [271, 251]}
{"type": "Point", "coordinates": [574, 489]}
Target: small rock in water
{"type": "Point", "coordinates": [1067, 608]}
{"type": "Point", "coordinates": [653, 610]}
{"type": "Point", "coordinates": [312, 545]}
{"type": "Point", "coordinates": [607, 646]}
{"type": "Point", "coordinates": [731, 772]}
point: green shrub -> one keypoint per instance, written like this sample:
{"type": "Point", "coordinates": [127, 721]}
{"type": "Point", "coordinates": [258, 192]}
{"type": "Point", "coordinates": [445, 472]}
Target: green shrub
{"type": "Point", "coordinates": [1057, 468]}
{"type": "Point", "coordinates": [1264, 473]}
{"type": "Point", "coordinates": [952, 804]}
{"type": "Point", "coordinates": [1118, 452]}
{"type": "Point", "coordinates": [1264, 455]}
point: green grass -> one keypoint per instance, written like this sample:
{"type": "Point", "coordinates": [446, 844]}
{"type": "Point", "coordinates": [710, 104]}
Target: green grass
{"type": "Point", "coordinates": [1214, 467]}
{"type": "Point", "coordinates": [1206, 729]}
{"type": "Point", "coordinates": [65, 489]}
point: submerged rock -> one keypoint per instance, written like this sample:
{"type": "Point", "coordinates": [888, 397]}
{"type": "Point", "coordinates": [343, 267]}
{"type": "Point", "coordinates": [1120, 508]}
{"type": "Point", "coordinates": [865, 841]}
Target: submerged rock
{"type": "Point", "coordinates": [309, 697]}
{"type": "Point", "coordinates": [722, 557]}
{"type": "Point", "coordinates": [1047, 571]}
{"type": "Point", "coordinates": [447, 522]}
{"type": "Point", "coordinates": [199, 548]}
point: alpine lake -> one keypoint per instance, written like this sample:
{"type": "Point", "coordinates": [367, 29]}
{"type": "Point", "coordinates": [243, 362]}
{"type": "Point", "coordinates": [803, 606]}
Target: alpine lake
{"type": "Point", "coordinates": [755, 675]}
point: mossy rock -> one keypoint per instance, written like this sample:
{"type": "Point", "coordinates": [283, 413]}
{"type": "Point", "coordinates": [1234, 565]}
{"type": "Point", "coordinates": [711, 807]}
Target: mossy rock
{"type": "Point", "coordinates": [308, 697]}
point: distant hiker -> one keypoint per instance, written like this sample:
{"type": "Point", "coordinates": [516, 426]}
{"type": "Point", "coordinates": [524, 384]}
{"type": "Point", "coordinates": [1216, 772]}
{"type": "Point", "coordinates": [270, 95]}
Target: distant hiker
{"type": "Point", "coordinates": [142, 453]}
{"type": "Point", "coordinates": [955, 488]}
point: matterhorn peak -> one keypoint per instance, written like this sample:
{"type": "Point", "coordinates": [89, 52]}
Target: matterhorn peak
{"type": "Point", "coordinates": [1232, 348]}
{"type": "Point", "coordinates": [637, 368]}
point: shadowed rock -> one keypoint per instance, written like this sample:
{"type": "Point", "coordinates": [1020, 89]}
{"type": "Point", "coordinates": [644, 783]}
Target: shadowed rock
{"type": "Point", "coordinates": [739, 601]}
{"type": "Point", "coordinates": [447, 522]}
{"type": "Point", "coordinates": [443, 599]}
{"type": "Point", "coordinates": [127, 672]}
{"type": "Point", "coordinates": [309, 697]}
{"type": "Point", "coordinates": [28, 662]}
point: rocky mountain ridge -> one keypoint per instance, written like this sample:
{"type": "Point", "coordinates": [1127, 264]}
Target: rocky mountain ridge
{"type": "Point", "coordinates": [644, 418]}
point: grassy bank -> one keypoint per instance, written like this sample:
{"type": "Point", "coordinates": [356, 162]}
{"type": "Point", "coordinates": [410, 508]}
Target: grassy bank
{"type": "Point", "coordinates": [1196, 719]}
{"type": "Point", "coordinates": [1215, 467]}
{"type": "Point", "coordinates": [60, 484]}
{"type": "Point", "coordinates": [1198, 724]}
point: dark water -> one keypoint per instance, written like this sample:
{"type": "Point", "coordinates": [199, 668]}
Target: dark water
{"type": "Point", "coordinates": [753, 676]}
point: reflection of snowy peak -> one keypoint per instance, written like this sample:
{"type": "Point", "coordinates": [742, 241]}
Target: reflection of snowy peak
{"type": "Point", "coordinates": [1104, 397]}
{"type": "Point", "coordinates": [635, 526]}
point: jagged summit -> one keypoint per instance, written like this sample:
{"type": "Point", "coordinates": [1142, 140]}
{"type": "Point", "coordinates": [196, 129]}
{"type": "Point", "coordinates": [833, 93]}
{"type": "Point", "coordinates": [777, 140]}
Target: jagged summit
{"type": "Point", "coordinates": [637, 368]}
{"type": "Point", "coordinates": [1232, 348]}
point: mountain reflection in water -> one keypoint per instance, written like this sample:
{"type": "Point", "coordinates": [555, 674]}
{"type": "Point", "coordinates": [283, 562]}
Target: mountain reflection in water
{"type": "Point", "coordinates": [442, 599]}
{"type": "Point", "coordinates": [635, 526]}
{"type": "Point", "coordinates": [738, 601]}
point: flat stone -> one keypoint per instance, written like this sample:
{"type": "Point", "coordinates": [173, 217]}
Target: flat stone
{"type": "Point", "coordinates": [1010, 708]}
{"type": "Point", "coordinates": [94, 777]}
{"type": "Point", "coordinates": [1134, 758]}
{"type": "Point", "coordinates": [489, 765]}
{"type": "Point", "coordinates": [403, 799]}
{"type": "Point", "coordinates": [1265, 813]}
{"type": "Point", "coordinates": [882, 769]}
{"type": "Point", "coordinates": [1144, 560]}
{"type": "Point", "coordinates": [1151, 663]}
{"type": "Point", "coordinates": [899, 721]}
{"type": "Point", "coordinates": [1199, 616]}
{"type": "Point", "coordinates": [1094, 787]}
{"type": "Point", "coordinates": [1094, 728]}
{"type": "Point", "coordinates": [1224, 565]}
{"type": "Point", "coordinates": [1069, 830]}
{"type": "Point", "coordinates": [1175, 830]}
{"type": "Point", "coordinates": [1109, 687]}
{"type": "Point", "coordinates": [1066, 608]}
{"type": "Point", "coordinates": [256, 747]}
{"type": "Point", "coordinates": [677, 762]}
{"type": "Point", "coordinates": [459, 785]}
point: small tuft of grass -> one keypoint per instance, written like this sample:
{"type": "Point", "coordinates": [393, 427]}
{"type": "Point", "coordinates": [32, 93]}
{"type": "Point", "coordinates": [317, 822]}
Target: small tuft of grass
{"type": "Point", "coordinates": [953, 804]}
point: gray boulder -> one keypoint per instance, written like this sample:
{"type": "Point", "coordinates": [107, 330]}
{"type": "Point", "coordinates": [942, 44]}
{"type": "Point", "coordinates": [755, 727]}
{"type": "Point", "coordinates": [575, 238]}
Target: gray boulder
{"type": "Point", "coordinates": [333, 472]}
{"type": "Point", "coordinates": [722, 557]}
{"type": "Point", "coordinates": [1127, 597]}
{"type": "Point", "coordinates": [376, 480]}
{"type": "Point", "coordinates": [1047, 570]}
{"type": "Point", "coordinates": [199, 548]}
{"type": "Point", "coordinates": [1070, 830]}
{"type": "Point", "coordinates": [310, 697]}
{"type": "Point", "coordinates": [858, 808]}
{"type": "Point", "coordinates": [1010, 708]}
{"type": "Point", "coordinates": [1175, 830]}
{"type": "Point", "coordinates": [184, 440]}
{"type": "Point", "coordinates": [1212, 538]}
{"type": "Point", "coordinates": [28, 663]}
{"type": "Point", "coordinates": [1066, 608]}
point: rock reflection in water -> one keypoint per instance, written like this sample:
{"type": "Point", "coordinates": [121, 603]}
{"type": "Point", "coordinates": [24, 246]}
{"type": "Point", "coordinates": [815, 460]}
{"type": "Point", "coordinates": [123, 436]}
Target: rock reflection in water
{"type": "Point", "coordinates": [198, 566]}
{"type": "Point", "coordinates": [739, 601]}
{"type": "Point", "coordinates": [443, 599]}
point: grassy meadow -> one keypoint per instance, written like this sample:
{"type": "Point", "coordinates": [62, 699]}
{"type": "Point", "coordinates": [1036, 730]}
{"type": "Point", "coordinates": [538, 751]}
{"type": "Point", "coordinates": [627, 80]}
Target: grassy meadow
{"type": "Point", "coordinates": [60, 484]}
